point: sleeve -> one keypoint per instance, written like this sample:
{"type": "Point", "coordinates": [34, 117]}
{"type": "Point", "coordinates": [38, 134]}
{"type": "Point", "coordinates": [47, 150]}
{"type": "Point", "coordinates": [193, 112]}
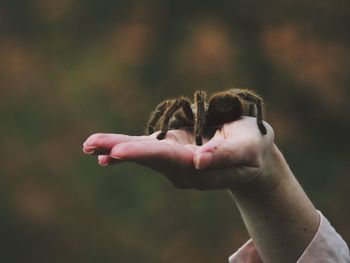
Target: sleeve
{"type": "Point", "coordinates": [327, 246]}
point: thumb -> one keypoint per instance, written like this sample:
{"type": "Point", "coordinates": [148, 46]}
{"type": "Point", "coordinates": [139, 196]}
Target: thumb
{"type": "Point", "coordinates": [223, 153]}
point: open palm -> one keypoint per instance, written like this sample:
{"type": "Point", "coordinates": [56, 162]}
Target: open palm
{"type": "Point", "coordinates": [235, 155]}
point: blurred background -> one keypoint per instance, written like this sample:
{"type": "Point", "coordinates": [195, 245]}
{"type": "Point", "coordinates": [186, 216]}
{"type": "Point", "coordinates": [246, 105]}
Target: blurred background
{"type": "Point", "coordinates": [70, 68]}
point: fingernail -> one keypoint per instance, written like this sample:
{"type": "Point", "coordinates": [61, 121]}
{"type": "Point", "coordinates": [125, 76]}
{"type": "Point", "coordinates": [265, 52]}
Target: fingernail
{"type": "Point", "coordinates": [88, 150]}
{"type": "Point", "coordinates": [102, 161]}
{"type": "Point", "coordinates": [203, 160]}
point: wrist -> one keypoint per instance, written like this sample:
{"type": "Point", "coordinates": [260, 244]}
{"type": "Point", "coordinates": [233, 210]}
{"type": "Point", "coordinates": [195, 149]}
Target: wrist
{"type": "Point", "coordinates": [274, 170]}
{"type": "Point", "coordinates": [279, 216]}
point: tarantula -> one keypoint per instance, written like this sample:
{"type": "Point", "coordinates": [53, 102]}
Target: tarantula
{"type": "Point", "coordinates": [203, 117]}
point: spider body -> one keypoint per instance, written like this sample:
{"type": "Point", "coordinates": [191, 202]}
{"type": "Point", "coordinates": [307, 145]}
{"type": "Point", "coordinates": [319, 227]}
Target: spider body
{"type": "Point", "coordinates": [203, 117]}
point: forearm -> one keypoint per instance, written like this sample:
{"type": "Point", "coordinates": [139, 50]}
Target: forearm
{"type": "Point", "coordinates": [279, 216]}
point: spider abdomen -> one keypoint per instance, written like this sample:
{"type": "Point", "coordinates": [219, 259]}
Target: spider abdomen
{"type": "Point", "coordinates": [223, 109]}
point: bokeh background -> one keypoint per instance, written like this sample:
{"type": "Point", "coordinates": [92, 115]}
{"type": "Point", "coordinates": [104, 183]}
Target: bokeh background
{"type": "Point", "coordinates": [70, 68]}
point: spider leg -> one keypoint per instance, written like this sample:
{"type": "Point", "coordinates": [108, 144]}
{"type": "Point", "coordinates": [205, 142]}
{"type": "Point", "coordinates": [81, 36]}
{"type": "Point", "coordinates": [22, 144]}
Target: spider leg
{"type": "Point", "coordinates": [251, 109]}
{"type": "Point", "coordinates": [183, 118]}
{"type": "Point", "coordinates": [155, 116]}
{"type": "Point", "coordinates": [180, 103]}
{"type": "Point", "coordinates": [251, 97]}
{"type": "Point", "coordinates": [187, 110]}
{"type": "Point", "coordinates": [199, 98]}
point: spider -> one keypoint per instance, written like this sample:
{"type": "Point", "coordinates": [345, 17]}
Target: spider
{"type": "Point", "coordinates": [202, 117]}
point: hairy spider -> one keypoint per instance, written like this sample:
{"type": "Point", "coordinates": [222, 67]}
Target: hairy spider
{"type": "Point", "coordinates": [202, 117]}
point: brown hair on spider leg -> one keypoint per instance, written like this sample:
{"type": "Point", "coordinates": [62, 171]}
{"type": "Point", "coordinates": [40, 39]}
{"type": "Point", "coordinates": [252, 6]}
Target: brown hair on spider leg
{"type": "Point", "coordinates": [156, 115]}
{"type": "Point", "coordinates": [199, 100]}
{"type": "Point", "coordinates": [180, 103]}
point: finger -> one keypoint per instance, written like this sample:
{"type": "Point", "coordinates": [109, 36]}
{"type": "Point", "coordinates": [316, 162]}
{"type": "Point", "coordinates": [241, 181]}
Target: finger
{"type": "Point", "coordinates": [105, 160]}
{"type": "Point", "coordinates": [102, 143]}
{"type": "Point", "coordinates": [173, 160]}
{"type": "Point", "coordinates": [152, 152]}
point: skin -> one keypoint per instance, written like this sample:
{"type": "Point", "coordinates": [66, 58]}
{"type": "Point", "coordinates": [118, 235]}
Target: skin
{"type": "Point", "coordinates": [278, 215]}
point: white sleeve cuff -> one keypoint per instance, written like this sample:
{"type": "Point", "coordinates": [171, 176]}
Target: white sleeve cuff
{"type": "Point", "coordinates": [327, 246]}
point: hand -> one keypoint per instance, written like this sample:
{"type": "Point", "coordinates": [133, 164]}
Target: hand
{"type": "Point", "coordinates": [278, 215]}
{"type": "Point", "coordinates": [236, 155]}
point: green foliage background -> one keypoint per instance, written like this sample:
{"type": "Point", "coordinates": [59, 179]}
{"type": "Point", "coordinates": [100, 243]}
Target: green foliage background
{"type": "Point", "coordinates": [70, 68]}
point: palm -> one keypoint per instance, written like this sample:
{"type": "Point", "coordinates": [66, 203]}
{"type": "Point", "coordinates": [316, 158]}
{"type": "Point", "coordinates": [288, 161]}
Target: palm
{"type": "Point", "coordinates": [231, 157]}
